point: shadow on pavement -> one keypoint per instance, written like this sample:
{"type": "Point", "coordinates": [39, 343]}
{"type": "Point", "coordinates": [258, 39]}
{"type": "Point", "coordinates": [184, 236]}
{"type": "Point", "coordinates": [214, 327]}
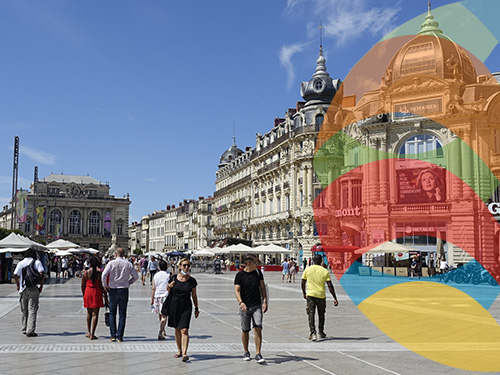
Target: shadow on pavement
{"type": "Point", "coordinates": [344, 338]}
{"type": "Point", "coordinates": [62, 334]}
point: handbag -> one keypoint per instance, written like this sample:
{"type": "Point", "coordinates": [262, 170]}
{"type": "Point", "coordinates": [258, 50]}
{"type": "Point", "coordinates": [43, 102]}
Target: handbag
{"type": "Point", "coordinates": [106, 316]}
{"type": "Point", "coordinates": [166, 303]}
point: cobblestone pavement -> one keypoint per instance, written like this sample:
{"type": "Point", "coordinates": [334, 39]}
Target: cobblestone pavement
{"type": "Point", "coordinates": [353, 346]}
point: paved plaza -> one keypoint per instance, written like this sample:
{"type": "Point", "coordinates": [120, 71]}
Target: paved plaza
{"type": "Point", "coordinates": [353, 346]}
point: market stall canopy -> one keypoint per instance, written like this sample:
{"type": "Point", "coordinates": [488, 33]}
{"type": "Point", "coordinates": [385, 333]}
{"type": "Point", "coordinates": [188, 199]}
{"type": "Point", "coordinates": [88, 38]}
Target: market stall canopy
{"type": "Point", "coordinates": [386, 247]}
{"type": "Point", "coordinates": [238, 249]}
{"type": "Point", "coordinates": [220, 250]}
{"type": "Point", "coordinates": [62, 253]}
{"type": "Point", "coordinates": [18, 243]}
{"type": "Point", "coordinates": [203, 253]}
{"type": "Point", "coordinates": [272, 248]}
{"type": "Point", "coordinates": [62, 245]}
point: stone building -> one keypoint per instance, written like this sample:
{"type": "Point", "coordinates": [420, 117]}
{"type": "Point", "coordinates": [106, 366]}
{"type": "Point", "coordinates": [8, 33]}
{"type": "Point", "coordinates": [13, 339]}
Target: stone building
{"type": "Point", "coordinates": [433, 111]}
{"type": "Point", "coordinates": [266, 193]}
{"type": "Point", "coordinates": [76, 208]}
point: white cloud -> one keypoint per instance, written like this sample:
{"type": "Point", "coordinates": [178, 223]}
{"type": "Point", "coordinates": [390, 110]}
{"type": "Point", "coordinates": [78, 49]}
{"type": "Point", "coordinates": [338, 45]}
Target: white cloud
{"type": "Point", "coordinates": [286, 55]}
{"type": "Point", "coordinates": [38, 156]}
{"type": "Point", "coordinates": [343, 21]}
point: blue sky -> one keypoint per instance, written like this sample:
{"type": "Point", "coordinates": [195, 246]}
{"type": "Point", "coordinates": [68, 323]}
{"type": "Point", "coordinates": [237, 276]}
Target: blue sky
{"type": "Point", "coordinates": [144, 94]}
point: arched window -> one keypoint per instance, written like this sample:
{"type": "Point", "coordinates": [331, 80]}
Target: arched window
{"type": "Point", "coordinates": [55, 218]}
{"type": "Point", "coordinates": [75, 222]}
{"type": "Point", "coordinates": [94, 223]}
{"type": "Point", "coordinates": [421, 144]}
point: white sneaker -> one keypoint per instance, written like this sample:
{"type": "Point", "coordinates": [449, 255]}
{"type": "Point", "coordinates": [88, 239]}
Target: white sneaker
{"type": "Point", "coordinates": [246, 356]}
{"type": "Point", "coordinates": [313, 337]}
{"type": "Point", "coordinates": [259, 359]}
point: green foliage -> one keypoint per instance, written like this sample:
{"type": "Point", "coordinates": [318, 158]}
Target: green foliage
{"type": "Point", "coordinates": [137, 251]}
{"type": "Point", "coordinates": [5, 232]}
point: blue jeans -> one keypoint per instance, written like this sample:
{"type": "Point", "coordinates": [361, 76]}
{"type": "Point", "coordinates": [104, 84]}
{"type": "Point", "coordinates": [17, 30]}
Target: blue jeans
{"type": "Point", "coordinates": [118, 299]}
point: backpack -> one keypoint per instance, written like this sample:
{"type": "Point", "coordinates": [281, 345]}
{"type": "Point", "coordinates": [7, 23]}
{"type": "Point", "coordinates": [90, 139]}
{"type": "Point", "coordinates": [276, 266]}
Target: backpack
{"type": "Point", "coordinates": [31, 276]}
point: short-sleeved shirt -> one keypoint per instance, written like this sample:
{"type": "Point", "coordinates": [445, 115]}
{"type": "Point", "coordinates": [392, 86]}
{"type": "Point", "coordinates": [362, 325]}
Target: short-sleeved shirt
{"type": "Point", "coordinates": [285, 265]}
{"type": "Point", "coordinates": [316, 277]}
{"type": "Point", "coordinates": [249, 283]}
{"type": "Point", "coordinates": [19, 270]}
{"type": "Point", "coordinates": [161, 281]}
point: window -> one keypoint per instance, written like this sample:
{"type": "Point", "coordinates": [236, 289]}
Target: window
{"type": "Point", "coordinates": [119, 229]}
{"type": "Point", "coordinates": [287, 202]}
{"type": "Point", "coordinates": [321, 228]}
{"type": "Point", "coordinates": [422, 143]}
{"type": "Point", "coordinates": [75, 220]}
{"type": "Point", "coordinates": [319, 120]}
{"type": "Point", "coordinates": [55, 219]}
{"type": "Point", "coordinates": [350, 191]}
{"type": "Point", "coordinates": [278, 202]}
{"type": "Point", "coordinates": [300, 229]}
{"type": "Point", "coordinates": [271, 233]}
{"type": "Point", "coordinates": [94, 223]}
{"type": "Point", "coordinates": [319, 198]}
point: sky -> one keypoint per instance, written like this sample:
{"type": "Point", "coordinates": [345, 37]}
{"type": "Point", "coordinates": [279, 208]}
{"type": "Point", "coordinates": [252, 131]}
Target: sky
{"type": "Point", "coordinates": [144, 94]}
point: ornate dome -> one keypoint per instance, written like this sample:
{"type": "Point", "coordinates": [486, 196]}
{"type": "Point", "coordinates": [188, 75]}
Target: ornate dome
{"type": "Point", "coordinates": [321, 88]}
{"type": "Point", "coordinates": [229, 155]}
{"type": "Point", "coordinates": [431, 52]}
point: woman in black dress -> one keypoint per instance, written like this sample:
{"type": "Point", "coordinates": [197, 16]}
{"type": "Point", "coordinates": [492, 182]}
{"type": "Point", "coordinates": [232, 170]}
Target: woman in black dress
{"type": "Point", "coordinates": [183, 289]}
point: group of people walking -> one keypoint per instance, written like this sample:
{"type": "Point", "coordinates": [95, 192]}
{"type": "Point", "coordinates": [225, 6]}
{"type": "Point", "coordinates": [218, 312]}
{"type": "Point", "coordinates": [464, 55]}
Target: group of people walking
{"type": "Point", "coordinates": [173, 297]}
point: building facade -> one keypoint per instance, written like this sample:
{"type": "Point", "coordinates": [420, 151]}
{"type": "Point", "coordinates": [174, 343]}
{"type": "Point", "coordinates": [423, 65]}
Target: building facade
{"type": "Point", "coordinates": [417, 156]}
{"type": "Point", "coordinates": [266, 193]}
{"type": "Point", "coordinates": [76, 208]}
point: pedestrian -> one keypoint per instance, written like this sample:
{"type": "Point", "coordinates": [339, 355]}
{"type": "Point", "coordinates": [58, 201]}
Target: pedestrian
{"type": "Point", "coordinates": [304, 264]}
{"type": "Point", "coordinates": [64, 267]}
{"type": "Point", "coordinates": [316, 276]}
{"type": "Point", "coordinates": [293, 269]}
{"type": "Point", "coordinates": [160, 283]}
{"type": "Point", "coordinates": [250, 291]}
{"type": "Point", "coordinates": [183, 289]}
{"type": "Point", "coordinates": [152, 267]}
{"type": "Point", "coordinates": [285, 274]}
{"type": "Point", "coordinates": [121, 275]}
{"type": "Point", "coordinates": [413, 267]}
{"type": "Point", "coordinates": [93, 292]}
{"type": "Point", "coordinates": [143, 263]}
{"type": "Point", "coordinates": [29, 294]}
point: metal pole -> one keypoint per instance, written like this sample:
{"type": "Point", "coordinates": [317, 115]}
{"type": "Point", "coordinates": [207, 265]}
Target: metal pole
{"type": "Point", "coordinates": [14, 181]}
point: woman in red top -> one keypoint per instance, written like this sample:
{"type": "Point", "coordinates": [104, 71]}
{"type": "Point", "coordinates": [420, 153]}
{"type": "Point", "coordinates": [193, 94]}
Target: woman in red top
{"type": "Point", "coordinates": [93, 293]}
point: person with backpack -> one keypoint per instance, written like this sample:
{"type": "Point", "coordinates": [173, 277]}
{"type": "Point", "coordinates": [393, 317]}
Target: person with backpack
{"type": "Point", "coordinates": [29, 277]}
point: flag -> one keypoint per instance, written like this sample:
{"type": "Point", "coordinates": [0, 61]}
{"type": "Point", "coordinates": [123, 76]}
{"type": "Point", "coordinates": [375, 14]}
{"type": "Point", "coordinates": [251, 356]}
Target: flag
{"type": "Point", "coordinates": [21, 205]}
{"type": "Point", "coordinates": [58, 230]}
{"type": "Point", "coordinates": [40, 220]}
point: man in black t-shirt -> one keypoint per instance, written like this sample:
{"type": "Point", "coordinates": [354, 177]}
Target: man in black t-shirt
{"type": "Point", "coordinates": [251, 295]}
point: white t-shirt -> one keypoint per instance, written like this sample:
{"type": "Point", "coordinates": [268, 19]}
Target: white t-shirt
{"type": "Point", "coordinates": [161, 282]}
{"type": "Point", "coordinates": [19, 270]}
{"type": "Point", "coordinates": [64, 263]}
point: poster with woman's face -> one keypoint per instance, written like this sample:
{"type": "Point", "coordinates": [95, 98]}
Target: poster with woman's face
{"type": "Point", "coordinates": [421, 185]}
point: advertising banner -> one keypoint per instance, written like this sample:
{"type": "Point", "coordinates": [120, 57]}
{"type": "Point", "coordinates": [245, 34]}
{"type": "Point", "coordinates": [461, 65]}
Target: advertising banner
{"type": "Point", "coordinates": [21, 205]}
{"type": "Point", "coordinates": [421, 185]}
{"type": "Point", "coordinates": [40, 220]}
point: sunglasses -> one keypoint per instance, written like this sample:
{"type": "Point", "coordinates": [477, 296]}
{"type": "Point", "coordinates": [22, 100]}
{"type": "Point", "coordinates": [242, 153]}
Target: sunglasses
{"type": "Point", "coordinates": [186, 265]}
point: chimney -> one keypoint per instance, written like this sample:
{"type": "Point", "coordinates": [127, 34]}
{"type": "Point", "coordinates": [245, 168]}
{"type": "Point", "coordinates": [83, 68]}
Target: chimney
{"type": "Point", "coordinates": [201, 198]}
{"type": "Point", "coordinates": [248, 148]}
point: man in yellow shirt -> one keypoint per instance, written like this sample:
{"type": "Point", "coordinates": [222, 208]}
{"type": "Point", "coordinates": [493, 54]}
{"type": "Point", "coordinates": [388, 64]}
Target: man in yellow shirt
{"type": "Point", "coordinates": [316, 276]}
